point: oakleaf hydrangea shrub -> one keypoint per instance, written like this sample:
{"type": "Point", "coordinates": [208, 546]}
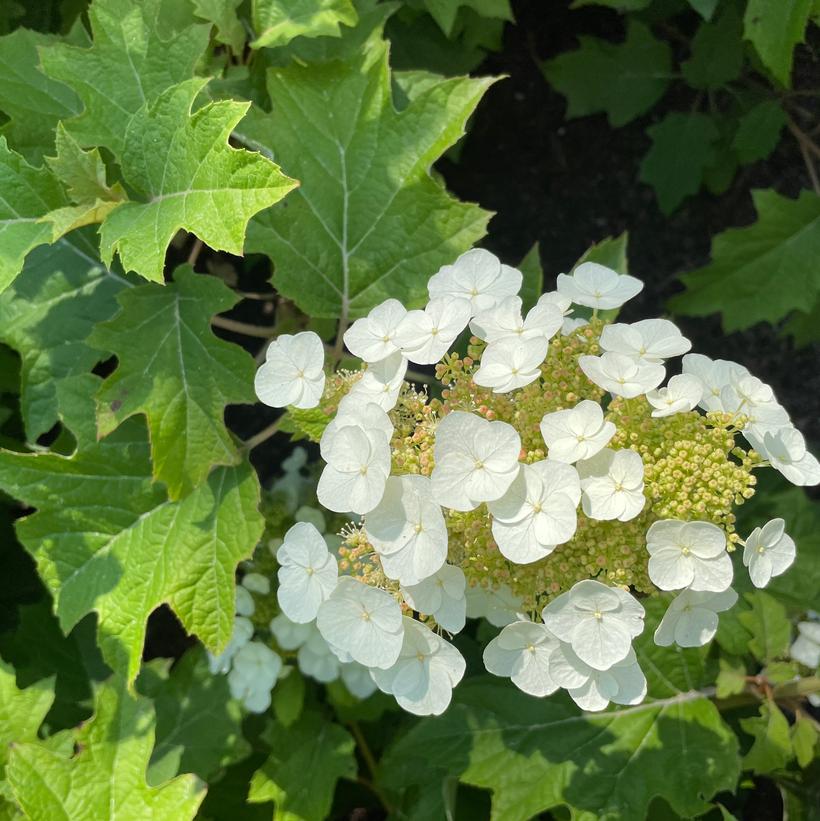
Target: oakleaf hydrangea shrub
{"type": "Point", "coordinates": [559, 481]}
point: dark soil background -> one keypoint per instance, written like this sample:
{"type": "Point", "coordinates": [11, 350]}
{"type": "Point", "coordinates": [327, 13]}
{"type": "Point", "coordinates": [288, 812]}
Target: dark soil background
{"type": "Point", "coordinates": [569, 183]}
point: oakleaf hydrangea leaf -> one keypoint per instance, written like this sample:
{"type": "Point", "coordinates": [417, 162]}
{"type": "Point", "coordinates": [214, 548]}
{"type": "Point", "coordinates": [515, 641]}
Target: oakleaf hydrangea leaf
{"type": "Point", "coordinates": [775, 27]}
{"type": "Point", "coordinates": [769, 625]}
{"type": "Point", "coordinates": [105, 778]}
{"type": "Point", "coordinates": [190, 178]}
{"type": "Point", "coordinates": [133, 59]}
{"type": "Point", "coordinates": [623, 79]}
{"type": "Point", "coordinates": [33, 102]}
{"type": "Point", "coordinates": [21, 711]}
{"type": "Point", "coordinates": [105, 538]}
{"type": "Point", "coordinates": [538, 754]}
{"type": "Point", "coordinates": [46, 316]}
{"type": "Point", "coordinates": [83, 173]}
{"type": "Point", "coordinates": [277, 22]}
{"type": "Point", "coordinates": [717, 52]}
{"type": "Point", "coordinates": [772, 748]}
{"type": "Point", "coordinates": [199, 725]}
{"type": "Point", "coordinates": [29, 194]}
{"type": "Point", "coordinates": [222, 13]}
{"type": "Point", "coordinates": [763, 271]}
{"type": "Point", "coordinates": [446, 12]}
{"type": "Point", "coordinates": [312, 745]}
{"type": "Point", "coordinates": [368, 222]}
{"type": "Point", "coordinates": [682, 148]}
{"type": "Point", "coordinates": [174, 370]}
{"type": "Point", "coordinates": [758, 131]}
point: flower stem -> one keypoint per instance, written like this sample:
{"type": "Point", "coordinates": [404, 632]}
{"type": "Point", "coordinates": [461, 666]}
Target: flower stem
{"type": "Point", "coordinates": [260, 331]}
{"type": "Point", "coordinates": [258, 438]}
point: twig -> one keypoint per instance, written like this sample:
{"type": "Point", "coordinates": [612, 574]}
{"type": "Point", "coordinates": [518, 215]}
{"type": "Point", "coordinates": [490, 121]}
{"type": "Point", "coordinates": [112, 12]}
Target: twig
{"type": "Point", "coordinates": [195, 250]}
{"type": "Point", "coordinates": [260, 331]}
{"type": "Point", "coordinates": [370, 762]}
{"type": "Point", "coordinates": [252, 295]}
{"type": "Point", "coordinates": [258, 438]}
{"type": "Point", "coordinates": [807, 147]}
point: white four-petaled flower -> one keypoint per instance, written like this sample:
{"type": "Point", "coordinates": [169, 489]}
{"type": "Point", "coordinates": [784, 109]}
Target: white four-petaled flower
{"type": "Point", "coordinates": [381, 382]}
{"type": "Point", "coordinates": [521, 652]}
{"type": "Point", "coordinates": [651, 340]}
{"type": "Point", "coordinates": [505, 321]}
{"type": "Point", "coordinates": [806, 647]}
{"type": "Point", "coordinates": [425, 672]}
{"type": "Point", "coordinates": [683, 393]}
{"type": "Point", "coordinates": [622, 375]}
{"type": "Point", "coordinates": [592, 689]}
{"type": "Point", "coordinates": [597, 286]}
{"type": "Point", "coordinates": [308, 572]}
{"type": "Point", "coordinates": [598, 621]}
{"type": "Point", "coordinates": [769, 552]}
{"type": "Point", "coordinates": [612, 485]}
{"type": "Point", "coordinates": [358, 461]}
{"type": "Point", "coordinates": [691, 619]}
{"type": "Point", "coordinates": [475, 460]}
{"type": "Point", "coordinates": [362, 621]}
{"type": "Point", "coordinates": [538, 511]}
{"type": "Point", "coordinates": [293, 371]}
{"type": "Point", "coordinates": [477, 276]}
{"type": "Point", "coordinates": [253, 674]}
{"type": "Point", "coordinates": [442, 596]}
{"type": "Point", "coordinates": [785, 449]}
{"type": "Point", "coordinates": [576, 433]}
{"type": "Point", "coordinates": [372, 337]}
{"type": "Point", "coordinates": [425, 336]}
{"type": "Point", "coordinates": [688, 554]}
{"type": "Point", "coordinates": [509, 364]}
{"type": "Point", "coordinates": [407, 530]}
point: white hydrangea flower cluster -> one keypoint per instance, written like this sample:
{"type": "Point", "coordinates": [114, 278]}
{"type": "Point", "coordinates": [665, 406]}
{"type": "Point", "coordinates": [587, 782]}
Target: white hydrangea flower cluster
{"type": "Point", "coordinates": [461, 512]}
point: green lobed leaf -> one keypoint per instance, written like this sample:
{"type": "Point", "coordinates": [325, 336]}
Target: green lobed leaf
{"type": "Point", "coordinates": [172, 368]}
{"type": "Point", "coordinates": [769, 625]}
{"type": "Point", "coordinates": [21, 711]}
{"type": "Point", "coordinates": [106, 776]}
{"type": "Point", "coordinates": [805, 736]}
{"type": "Point", "coordinates": [222, 13]}
{"type": "Point", "coordinates": [312, 745]}
{"type": "Point", "coordinates": [775, 27]}
{"type": "Point", "coordinates": [533, 273]}
{"type": "Point", "coordinates": [84, 175]}
{"type": "Point", "coordinates": [368, 221]}
{"type": "Point", "coordinates": [133, 59]}
{"type": "Point", "coordinates": [446, 12]}
{"type": "Point", "coordinates": [758, 131]}
{"type": "Point", "coordinates": [199, 724]}
{"type": "Point", "coordinates": [277, 22]}
{"type": "Point", "coordinates": [624, 80]}
{"type": "Point", "coordinates": [29, 194]}
{"type": "Point", "coordinates": [289, 698]}
{"type": "Point", "coordinates": [33, 102]}
{"type": "Point", "coordinates": [538, 754]}
{"type": "Point", "coordinates": [610, 251]}
{"type": "Point", "coordinates": [105, 538]}
{"type": "Point", "coordinates": [346, 44]}
{"type": "Point", "coordinates": [762, 271]}
{"type": "Point", "coordinates": [682, 149]}
{"type": "Point", "coordinates": [717, 52]}
{"type": "Point", "coordinates": [705, 8]}
{"type": "Point", "coordinates": [189, 177]}
{"type": "Point", "coordinates": [47, 314]}
{"type": "Point", "coordinates": [772, 747]}
{"type": "Point", "coordinates": [38, 649]}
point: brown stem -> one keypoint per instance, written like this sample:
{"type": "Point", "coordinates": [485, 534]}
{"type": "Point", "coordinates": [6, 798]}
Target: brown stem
{"type": "Point", "coordinates": [195, 251]}
{"type": "Point", "coordinates": [243, 328]}
{"type": "Point", "coordinates": [258, 438]}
